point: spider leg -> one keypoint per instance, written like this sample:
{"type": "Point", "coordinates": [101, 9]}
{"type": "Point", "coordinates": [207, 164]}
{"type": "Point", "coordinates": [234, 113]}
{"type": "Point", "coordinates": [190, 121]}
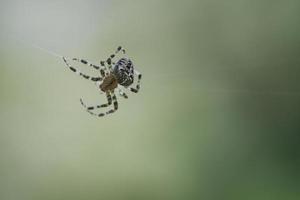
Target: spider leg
{"type": "Point", "coordinates": [122, 93]}
{"type": "Point", "coordinates": [115, 102]}
{"type": "Point", "coordinates": [109, 99]}
{"type": "Point", "coordinates": [89, 108]}
{"type": "Point", "coordinates": [86, 62]}
{"type": "Point", "coordinates": [108, 68]}
{"type": "Point", "coordinates": [101, 68]}
{"type": "Point", "coordinates": [114, 54]}
{"type": "Point", "coordinates": [120, 49]}
{"type": "Point", "coordinates": [109, 59]}
{"type": "Point", "coordinates": [73, 69]}
{"type": "Point", "coordinates": [137, 87]}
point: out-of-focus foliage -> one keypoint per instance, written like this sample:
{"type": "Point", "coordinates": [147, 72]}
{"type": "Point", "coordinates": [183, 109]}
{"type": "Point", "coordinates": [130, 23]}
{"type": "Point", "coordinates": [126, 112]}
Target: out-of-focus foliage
{"type": "Point", "coordinates": [217, 116]}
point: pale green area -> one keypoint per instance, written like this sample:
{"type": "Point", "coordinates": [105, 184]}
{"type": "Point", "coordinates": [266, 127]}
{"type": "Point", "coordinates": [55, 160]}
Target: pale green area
{"type": "Point", "coordinates": [217, 116]}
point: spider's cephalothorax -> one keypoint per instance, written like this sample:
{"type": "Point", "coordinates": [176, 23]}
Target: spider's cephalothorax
{"type": "Point", "coordinates": [120, 74]}
{"type": "Point", "coordinates": [109, 83]}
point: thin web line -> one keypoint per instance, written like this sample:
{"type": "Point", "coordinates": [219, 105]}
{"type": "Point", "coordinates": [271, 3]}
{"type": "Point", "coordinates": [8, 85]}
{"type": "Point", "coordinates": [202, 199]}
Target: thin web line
{"type": "Point", "coordinates": [32, 44]}
{"type": "Point", "coordinates": [174, 75]}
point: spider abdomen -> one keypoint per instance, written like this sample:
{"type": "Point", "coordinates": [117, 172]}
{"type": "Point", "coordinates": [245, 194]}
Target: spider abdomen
{"type": "Point", "coordinates": [124, 72]}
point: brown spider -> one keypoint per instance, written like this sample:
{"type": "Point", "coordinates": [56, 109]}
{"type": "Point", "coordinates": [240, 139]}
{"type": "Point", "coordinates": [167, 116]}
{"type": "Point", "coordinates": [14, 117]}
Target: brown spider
{"type": "Point", "coordinates": [112, 76]}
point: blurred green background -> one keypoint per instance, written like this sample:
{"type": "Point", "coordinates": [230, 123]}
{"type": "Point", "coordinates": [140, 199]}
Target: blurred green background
{"type": "Point", "coordinates": [217, 116]}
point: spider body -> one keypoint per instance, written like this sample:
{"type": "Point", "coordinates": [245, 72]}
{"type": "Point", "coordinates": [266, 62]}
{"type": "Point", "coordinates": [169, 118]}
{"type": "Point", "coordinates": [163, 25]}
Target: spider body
{"type": "Point", "coordinates": [109, 83]}
{"type": "Point", "coordinates": [124, 72]}
{"type": "Point", "coordinates": [111, 77]}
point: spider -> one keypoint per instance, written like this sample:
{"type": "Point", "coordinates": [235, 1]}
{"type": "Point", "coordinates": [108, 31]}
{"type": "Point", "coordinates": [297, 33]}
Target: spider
{"type": "Point", "coordinates": [112, 76]}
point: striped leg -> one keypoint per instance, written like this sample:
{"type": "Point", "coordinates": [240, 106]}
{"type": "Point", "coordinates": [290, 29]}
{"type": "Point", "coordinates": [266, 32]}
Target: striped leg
{"type": "Point", "coordinates": [115, 102]}
{"type": "Point", "coordinates": [102, 63]}
{"type": "Point", "coordinates": [120, 49]}
{"type": "Point", "coordinates": [88, 108]}
{"type": "Point", "coordinates": [137, 87]}
{"type": "Point", "coordinates": [80, 73]}
{"type": "Point", "coordinates": [86, 62]}
{"type": "Point", "coordinates": [109, 60]}
{"type": "Point", "coordinates": [109, 99]}
{"type": "Point", "coordinates": [122, 93]}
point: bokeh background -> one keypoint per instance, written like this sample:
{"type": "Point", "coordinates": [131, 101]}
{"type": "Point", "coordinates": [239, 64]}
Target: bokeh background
{"type": "Point", "coordinates": [217, 116]}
